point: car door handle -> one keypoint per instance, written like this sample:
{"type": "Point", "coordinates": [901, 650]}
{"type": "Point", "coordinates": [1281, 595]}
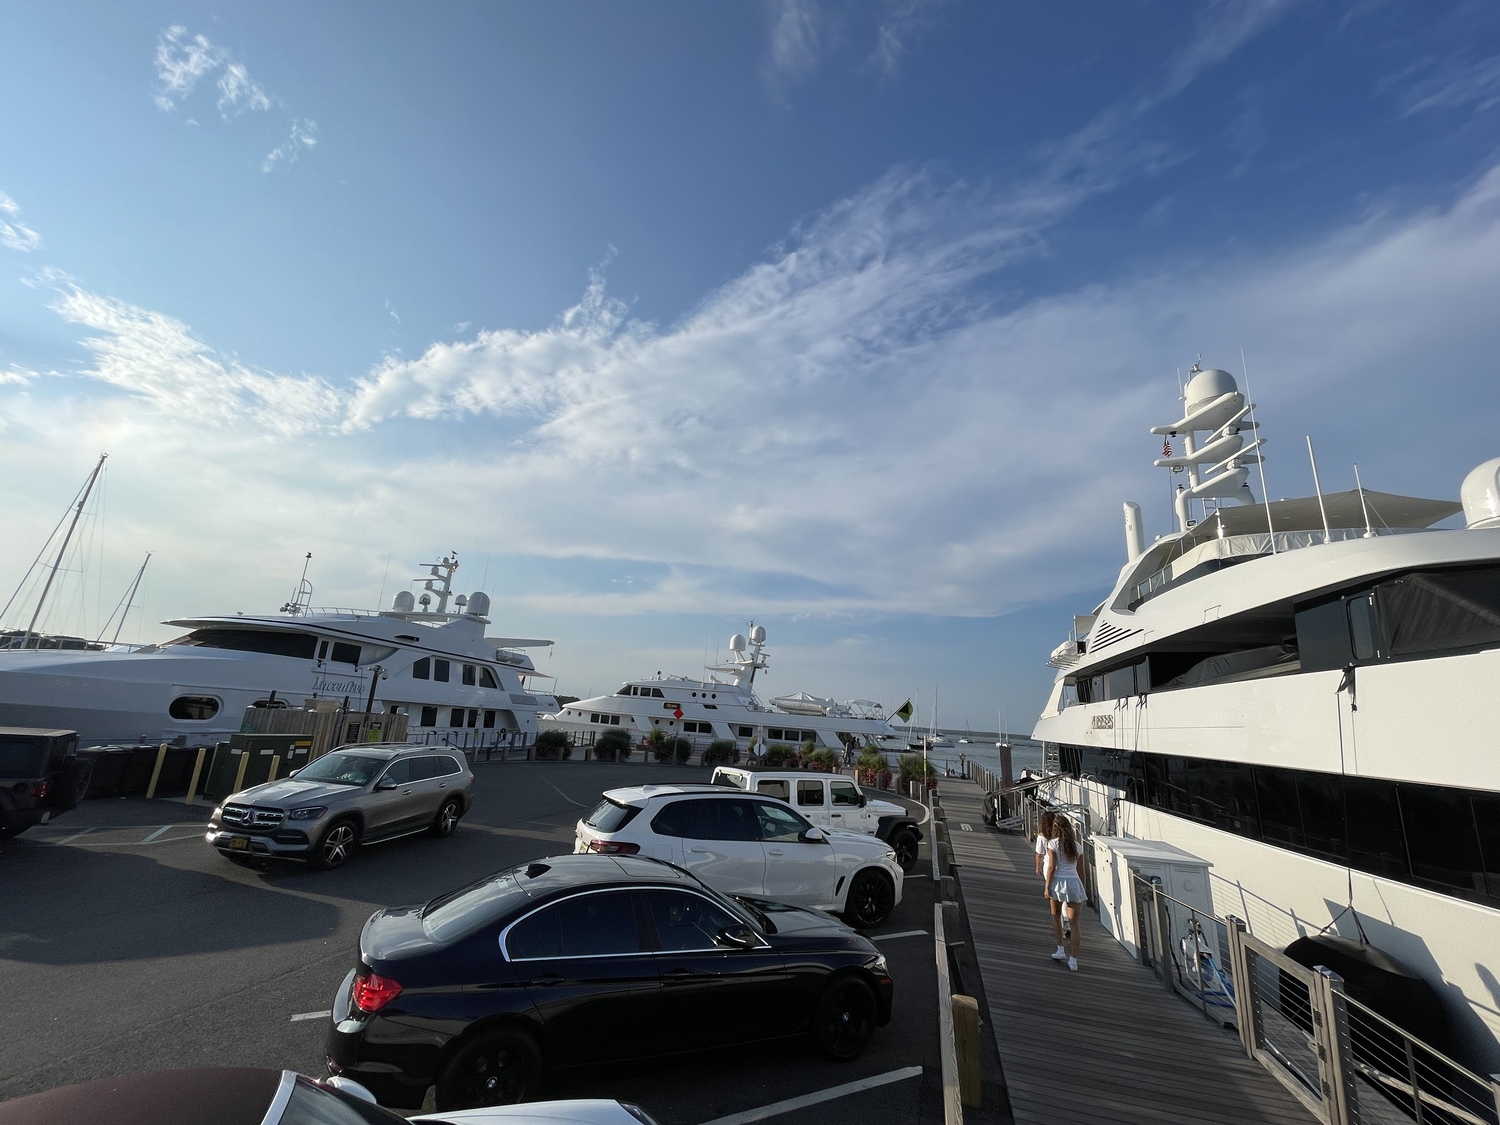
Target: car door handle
{"type": "Point", "coordinates": [698, 851]}
{"type": "Point", "coordinates": [546, 980]}
{"type": "Point", "coordinates": [682, 976]}
{"type": "Point", "coordinates": [775, 851]}
{"type": "Point", "coordinates": [836, 814]}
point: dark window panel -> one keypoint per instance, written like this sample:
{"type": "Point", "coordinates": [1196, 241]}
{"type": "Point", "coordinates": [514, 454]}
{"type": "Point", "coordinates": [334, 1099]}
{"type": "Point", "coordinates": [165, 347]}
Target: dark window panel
{"type": "Point", "coordinates": [1321, 798]}
{"type": "Point", "coordinates": [1376, 843]}
{"type": "Point", "coordinates": [1276, 799]}
{"type": "Point", "coordinates": [1323, 637]}
{"type": "Point", "coordinates": [1487, 821]}
{"type": "Point", "coordinates": [344, 653]}
{"type": "Point", "coordinates": [422, 669]}
{"type": "Point", "coordinates": [1442, 839]}
{"type": "Point", "coordinates": [440, 670]}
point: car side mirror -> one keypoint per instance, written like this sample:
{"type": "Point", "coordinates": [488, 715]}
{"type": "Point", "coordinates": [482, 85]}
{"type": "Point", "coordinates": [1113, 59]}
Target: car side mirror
{"type": "Point", "coordinates": [813, 836]}
{"type": "Point", "coordinates": [294, 773]}
{"type": "Point", "coordinates": [384, 783]}
{"type": "Point", "coordinates": [737, 937]}
{"type": "Point", "coordinates": [864, 800]}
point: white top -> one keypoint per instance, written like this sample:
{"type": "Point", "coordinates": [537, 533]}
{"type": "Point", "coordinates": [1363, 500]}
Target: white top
{"type": "Point", "coordinates": [1041, 844]}
{"type": "Point", "coordinates": [1062, 866]}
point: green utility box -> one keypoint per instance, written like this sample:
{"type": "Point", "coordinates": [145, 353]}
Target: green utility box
{"type": "Point", "coordinates": [250, 759]}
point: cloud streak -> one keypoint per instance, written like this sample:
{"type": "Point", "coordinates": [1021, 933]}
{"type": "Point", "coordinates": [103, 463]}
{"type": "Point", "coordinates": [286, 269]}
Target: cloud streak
{"type": "Point", "coordinates": [14, 234]}
{"type": "Point", "coordinates": [304, 137]}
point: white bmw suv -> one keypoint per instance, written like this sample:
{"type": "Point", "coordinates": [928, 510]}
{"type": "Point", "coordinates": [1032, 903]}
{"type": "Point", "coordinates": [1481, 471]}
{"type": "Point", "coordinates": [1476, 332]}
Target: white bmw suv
{"type": "Point", "coordinates": [748, 844]}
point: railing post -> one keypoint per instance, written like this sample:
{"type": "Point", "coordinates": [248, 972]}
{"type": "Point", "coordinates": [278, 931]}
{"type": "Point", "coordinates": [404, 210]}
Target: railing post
{"type": "Point", "coordinates": [1165, 962]}
{"type": "Point", "coordinates": [1336, 1059]}
{"type": "Point", "coordinates": [1495, 1091]}
{"type": "Point", "coordinates": [1244, 987]}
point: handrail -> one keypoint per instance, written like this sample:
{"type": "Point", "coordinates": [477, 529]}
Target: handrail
{"type": "Point", "coordinates": [953, 1109]}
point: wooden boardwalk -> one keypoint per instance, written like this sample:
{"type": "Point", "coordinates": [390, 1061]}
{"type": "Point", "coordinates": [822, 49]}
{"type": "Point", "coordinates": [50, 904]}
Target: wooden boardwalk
{"type": "Point", "coordinates": [1104, 1044]}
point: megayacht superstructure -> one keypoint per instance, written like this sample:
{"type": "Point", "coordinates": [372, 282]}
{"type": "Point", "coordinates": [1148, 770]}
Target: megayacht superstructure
{"type": "Point", "coordinates": [1301, 693]}
{"type": "Point", "coordinates": [427, 657]}
{"type": "Point", "coordinates": [726, 706]}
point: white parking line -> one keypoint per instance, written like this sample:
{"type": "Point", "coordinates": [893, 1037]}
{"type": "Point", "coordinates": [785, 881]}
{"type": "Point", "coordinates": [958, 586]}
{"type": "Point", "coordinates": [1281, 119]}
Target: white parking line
{"type": "Point", "coordinates": [565, 797]}
{"type": "Point", "coordinates": [775, 1109]}
{"type": "Point", "coordinates": [310, 1016]}
{"type": "Point", "coordinates": [159, 832]}
{"type": "Point", "coordinates": [70, 839]}
{"type": "Point", "coordinates": [903, 933]}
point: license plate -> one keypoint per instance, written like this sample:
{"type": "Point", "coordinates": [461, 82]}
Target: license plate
{"type": "Point", "coordinates": [238, 843]}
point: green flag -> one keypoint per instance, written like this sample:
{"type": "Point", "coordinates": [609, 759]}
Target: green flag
{"type": "Point", "coordinates": [905, 713]}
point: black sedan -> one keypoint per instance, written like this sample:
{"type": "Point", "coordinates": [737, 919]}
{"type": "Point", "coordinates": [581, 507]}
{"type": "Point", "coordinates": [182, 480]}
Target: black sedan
{"type": "Point", "coordinates": [582, 959]}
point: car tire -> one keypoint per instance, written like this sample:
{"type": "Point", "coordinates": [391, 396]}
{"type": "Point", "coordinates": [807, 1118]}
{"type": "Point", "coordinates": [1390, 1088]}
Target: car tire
{"type": "Point", "coordinates": [447, 818]}
{"type": "Point", "coordinates": [335, 847]}
{"type": "Point", "coordinates": [844, 1018]}
{"type": "Point", "coordinates": [498, 1068]}
{"type": "Point", "coordinates": [871, 898]}
{"type": "Point", "coordinates": [905, 843]}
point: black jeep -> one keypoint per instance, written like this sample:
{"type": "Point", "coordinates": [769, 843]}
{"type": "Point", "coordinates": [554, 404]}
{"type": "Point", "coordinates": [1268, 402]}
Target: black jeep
{"type": "Point", "coordinates": [41, 775]}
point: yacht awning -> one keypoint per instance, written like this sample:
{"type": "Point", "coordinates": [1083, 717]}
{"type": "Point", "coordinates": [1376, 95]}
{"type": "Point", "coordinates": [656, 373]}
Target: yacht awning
{"type": "Point", "coordinates": [1387, 510]}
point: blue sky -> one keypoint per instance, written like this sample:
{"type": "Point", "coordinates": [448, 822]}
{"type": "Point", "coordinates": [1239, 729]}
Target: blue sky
{"type": "Point", "coordinates": [849, 316]}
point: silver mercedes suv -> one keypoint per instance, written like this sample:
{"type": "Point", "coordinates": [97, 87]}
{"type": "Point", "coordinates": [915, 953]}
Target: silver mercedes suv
{"type": "Point", "coordinates": [358, 794]}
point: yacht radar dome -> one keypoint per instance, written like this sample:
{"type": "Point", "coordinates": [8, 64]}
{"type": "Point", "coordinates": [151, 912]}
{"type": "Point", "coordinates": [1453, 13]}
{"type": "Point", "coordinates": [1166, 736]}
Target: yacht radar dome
{"type": "Point", "coordinates": [757, 634]}
{"type": "Point", "coordinates": [479, 603]}
{"type": "Point", "coordinates": [403, 602]}
{"type": "Point", "coordinates": [737, 643]}
{"type": "Point", "coordinates": [1208, 385]}
{"type": "Point", "coordinates": [1481, 495]}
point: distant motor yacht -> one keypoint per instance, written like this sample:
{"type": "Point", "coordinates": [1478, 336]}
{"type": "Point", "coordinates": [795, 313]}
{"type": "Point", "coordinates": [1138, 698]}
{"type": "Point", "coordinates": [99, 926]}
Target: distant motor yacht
{"type": "Point", "coordinates": [1300, 693]}
{"type": "Point", "coordinates": [728, 708]}
{"type": "Point", "coordinates": [418, 658]}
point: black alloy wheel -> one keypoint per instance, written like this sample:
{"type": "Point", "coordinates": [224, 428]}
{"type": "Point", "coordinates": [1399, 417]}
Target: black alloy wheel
{"type": "Point", "coordinates": [871, 899]}
{"type": "Point", "coordinates": [499, 1068]}
{"type": "Point", "coordinates": [447, 818]}
{"type": "Point", "coordinates": [904, 843]}
{"type": "Point", "coordinates": [844, 1019]}
{"type": "Point", "coordinates": [336, 846]}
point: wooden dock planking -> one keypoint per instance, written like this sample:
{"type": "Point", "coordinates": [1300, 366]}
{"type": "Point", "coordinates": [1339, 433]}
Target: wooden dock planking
{"type": "Point", "coordinates": [1107, 1043]}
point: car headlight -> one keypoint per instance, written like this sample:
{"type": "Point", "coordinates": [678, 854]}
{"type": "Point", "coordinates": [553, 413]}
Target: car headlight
{"type": "Point", "coordinates": [215, 814]}
{"type": "Point", "coordinates": [311, 812]}
{"type": "Point", "coordinates": [880, 966]}
{"type": "Point", "coordinates": [890, 853]}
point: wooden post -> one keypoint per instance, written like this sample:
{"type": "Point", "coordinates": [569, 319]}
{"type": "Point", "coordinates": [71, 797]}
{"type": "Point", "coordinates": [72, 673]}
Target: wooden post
{"type": "Point", "coordinates": [239, 776]}
{"type": "Point", "coordinates": [161, 756]}
{"type": "Point", "coordinates": [966, 1042]}
{"type": "Point", "coordinates": [1167, 965]}
{"type": "Point", "coordinates": [1335, 1051]}
{"type": "Point", "coordinates": [1244, 987]}
{"type": "Point", "coordinates": [192, 793]}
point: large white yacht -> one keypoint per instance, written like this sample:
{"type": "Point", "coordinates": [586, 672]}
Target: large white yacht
{"type": "Point", "coordinates": [1299, 692]}
{"type": "Point", "coordinates": [419, 658]}
{"type": "Point", "coordinates": [728, 708]}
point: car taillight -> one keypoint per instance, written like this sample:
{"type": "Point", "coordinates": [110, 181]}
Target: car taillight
{"type": "Point", "coordinates": [39, 790]}
{"type": "Point", "coordinates": [613, 847]}
{"type": "Point", "coordinates": [373, 992]}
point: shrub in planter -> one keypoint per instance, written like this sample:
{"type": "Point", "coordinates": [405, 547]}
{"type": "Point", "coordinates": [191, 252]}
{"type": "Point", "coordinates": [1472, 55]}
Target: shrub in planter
{"type": "Point", "coordinates": [824, 760]}
{"type": "Point", "coordinates": [913, 768]}
{"type": "Point", "coordinates": [613, 745]}
{"type": "Point", "coordinates": [779, 754]}
{"type": "Point", "coordinates": [682, 749]}
{"type": "Point", "coordinates": [552, 744]}
{"type": "Point", "coordinates": [721, 751]}
{"type": "Point", "coordinates": [871, 759]}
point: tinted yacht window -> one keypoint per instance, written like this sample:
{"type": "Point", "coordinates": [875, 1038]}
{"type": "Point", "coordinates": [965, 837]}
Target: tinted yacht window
{"type": "Point", "coordinates": [1441, 837]}
{"type": "Point", "coordinates": [272, 642]}
{"type": "Point", "coordinates": [1323, 637]}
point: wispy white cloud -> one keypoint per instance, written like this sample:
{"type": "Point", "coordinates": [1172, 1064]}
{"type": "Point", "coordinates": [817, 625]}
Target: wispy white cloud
{"type": "Point", "coordinates": [158, 359]}
{"type": "Point", "coordinates": [304, 136]}
{"type": "Point", "coordinates": [1451, 85]}
{"type": "Point", "coordinates": [238, 92]}
{"type": "Point", "coordinates": [181, 60]}
{"type": "Point", "coordinates": [14, 234]}
{"type": "Point", "coordinates": [795, 46]}
{"type": "Point", "coordinates": [898, 23]}
{"type": "Point", "coordinates": [1221, 27]}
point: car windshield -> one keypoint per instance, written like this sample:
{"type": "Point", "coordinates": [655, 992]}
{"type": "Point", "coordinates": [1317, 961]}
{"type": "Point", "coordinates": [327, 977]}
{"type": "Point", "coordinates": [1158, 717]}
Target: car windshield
{"type": "Point", "coordinates": [311, 1104]}
{"type": "Point", "coordinates": [342, 769]}
{"type": "Point", "coordinates": [21, 757]}
{"type": "Point", "coordinates": [459, 913]}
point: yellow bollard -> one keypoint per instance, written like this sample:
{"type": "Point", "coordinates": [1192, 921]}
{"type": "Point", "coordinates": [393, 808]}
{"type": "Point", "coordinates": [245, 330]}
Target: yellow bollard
{"type": "Point", "coordinates": [275, 762]}
{"type": "Point", "coordinates": [966, 1044]}
{"type": "Point", "coordinates": [161, 757]}
{"type": "Point", "coordinates": [239, 777]}
{"type": "Point", "coordinates": [192, 793]}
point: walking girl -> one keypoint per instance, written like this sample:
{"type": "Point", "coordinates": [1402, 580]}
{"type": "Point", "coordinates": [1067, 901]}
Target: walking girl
{"type": "Point", "coordinates": [1065, 890]}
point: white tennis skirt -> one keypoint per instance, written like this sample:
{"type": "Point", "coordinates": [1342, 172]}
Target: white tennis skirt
{"type": "Point", "coordinates": [1067, 888]}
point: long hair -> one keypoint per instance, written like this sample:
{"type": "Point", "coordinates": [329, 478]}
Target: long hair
{"type": "Point", "coordinates": [1044, 825]}
{"type": "Point", "coordinates": [1067, 839]}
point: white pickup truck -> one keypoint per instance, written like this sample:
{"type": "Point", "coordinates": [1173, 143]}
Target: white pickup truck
{"type": "Point", "coordinates": [832, 801]}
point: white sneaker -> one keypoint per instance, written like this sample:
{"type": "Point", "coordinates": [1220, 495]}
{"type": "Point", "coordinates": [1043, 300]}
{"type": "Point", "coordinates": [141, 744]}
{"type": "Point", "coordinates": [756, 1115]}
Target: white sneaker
{"type": "Point", "coordinates": [1060, 955]}
{"type": "Point", "coordinates": [1072, 964]}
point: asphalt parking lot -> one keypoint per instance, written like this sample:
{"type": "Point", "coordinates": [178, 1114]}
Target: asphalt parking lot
{"type": "Point", "coordinates": [127, 944]}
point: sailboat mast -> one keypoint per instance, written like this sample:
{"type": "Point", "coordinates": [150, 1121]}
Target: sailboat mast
{"type": "Point", "coordinates": [127, 601]}
{"type": "Point", "coordinates": [62, 551]}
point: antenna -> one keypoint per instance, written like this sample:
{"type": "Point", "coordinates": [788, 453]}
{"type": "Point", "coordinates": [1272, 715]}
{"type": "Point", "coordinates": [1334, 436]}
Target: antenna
{"type": "Point", "coordinates": [302, 596]}
{"type": "Point", "coordinates": [1265, 492]}
{"type": "Point", "coordinates": [1369, 532]}
{"type": "Point", "coordinates": [1318, 488]}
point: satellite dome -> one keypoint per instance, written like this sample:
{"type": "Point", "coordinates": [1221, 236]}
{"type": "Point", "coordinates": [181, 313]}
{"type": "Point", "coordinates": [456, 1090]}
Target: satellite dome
{"type": "Point", "coordinates": [479, 604]}
{"type": "Point", "coordinates": [737, 643]}
{"type": "Point", "coordinates": [1208, 385]}
{"type": "Point", "coordinates": [403, 602]}
{"type": "Point", "coordinates": [758, 635]}
{"type": "Point", "coordinates": [1481, 495]}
